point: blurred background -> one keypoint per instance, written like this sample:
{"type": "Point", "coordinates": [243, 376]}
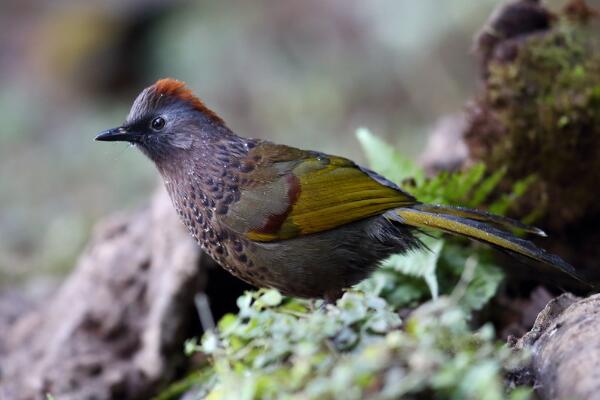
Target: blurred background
{"type": "Point", "coordinates": [307, 73]}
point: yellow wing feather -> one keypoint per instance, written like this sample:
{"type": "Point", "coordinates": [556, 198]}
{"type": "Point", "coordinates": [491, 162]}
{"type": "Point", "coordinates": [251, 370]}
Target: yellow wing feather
{"type": "Point", "coordinates": [332, 191]}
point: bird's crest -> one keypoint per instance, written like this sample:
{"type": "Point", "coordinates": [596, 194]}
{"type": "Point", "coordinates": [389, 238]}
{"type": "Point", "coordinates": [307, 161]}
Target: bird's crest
{"type": "Point", "coordinates": [178, 89]}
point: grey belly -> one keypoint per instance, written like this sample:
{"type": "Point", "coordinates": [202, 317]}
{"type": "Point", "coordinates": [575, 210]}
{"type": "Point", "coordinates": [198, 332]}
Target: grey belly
{"type": "Point", "coordinates": [322, 264]}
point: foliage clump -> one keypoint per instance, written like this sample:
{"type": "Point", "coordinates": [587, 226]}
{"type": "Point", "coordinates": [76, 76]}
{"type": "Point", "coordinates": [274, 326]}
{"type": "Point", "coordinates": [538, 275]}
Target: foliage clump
{"type": "Point", "coordinates": [403, 279]}
{"type": "Point", "coordinates": [278, 348]}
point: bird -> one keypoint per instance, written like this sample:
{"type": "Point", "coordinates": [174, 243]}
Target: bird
{"type": "Point", "coordinates": [304, 222]}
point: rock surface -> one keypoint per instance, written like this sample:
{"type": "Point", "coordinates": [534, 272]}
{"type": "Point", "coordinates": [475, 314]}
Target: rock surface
{"type": "Point", "coordinates": [115, 328]}
{"type": "Point", "coordinates": [565, 348]}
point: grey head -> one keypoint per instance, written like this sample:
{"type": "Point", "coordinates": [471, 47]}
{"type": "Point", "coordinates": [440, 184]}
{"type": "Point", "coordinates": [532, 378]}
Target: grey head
{"type": "Point", "coordinates": [168, 122]}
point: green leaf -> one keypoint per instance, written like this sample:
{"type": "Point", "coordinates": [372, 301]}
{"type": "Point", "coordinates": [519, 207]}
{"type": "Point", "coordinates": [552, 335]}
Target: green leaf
{"type": "Point", "coordinates": [270, 298]}
{"type": "Point", "coordinates": [486, 277]}
{"type": "Point", "coordinates": [519, 189]}
{"type": "Point", "coordinates": [227, 322]}
{"type": "Point", "coordinates": [190, 346]}
{"type": "Point", "coordinates": [486, 187]}
{"type": "Point", "coordinates": [420, 264]}
{"type": "Point", "coordinates": [385, 160]}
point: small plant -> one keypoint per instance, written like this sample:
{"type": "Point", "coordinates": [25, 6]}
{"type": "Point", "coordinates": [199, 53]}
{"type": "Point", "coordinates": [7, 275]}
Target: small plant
{"type": "Point", "coordinates": [410, 279]}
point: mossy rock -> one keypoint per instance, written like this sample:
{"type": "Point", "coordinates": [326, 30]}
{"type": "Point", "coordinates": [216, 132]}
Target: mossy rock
{"type": "Point", "coordinates": [539, 113]}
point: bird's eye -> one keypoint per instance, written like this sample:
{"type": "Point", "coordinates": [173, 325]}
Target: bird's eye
{"type": "Point", "coordinates": [158, 123]}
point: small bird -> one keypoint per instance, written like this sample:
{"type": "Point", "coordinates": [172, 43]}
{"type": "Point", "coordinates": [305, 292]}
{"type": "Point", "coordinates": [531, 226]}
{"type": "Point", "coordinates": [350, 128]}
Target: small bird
{"type": "Point", "coordinates": [306, 223]}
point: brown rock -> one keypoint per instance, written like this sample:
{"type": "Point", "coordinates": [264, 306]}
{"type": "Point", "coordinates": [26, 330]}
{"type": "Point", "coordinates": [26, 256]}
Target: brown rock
{"type": "Point", "coordinates": [565, 348]}
{"type": "Point", "coordinates": [115, 328]}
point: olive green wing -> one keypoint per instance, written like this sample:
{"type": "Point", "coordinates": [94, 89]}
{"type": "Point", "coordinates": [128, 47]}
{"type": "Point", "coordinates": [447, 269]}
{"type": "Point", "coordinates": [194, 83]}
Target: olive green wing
{"type": "Point", "coordinates": [293, 193]}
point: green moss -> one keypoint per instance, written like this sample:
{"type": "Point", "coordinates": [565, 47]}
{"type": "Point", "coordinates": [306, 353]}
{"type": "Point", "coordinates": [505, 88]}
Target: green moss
{"type": "Point", "coordinates": [544, 105]}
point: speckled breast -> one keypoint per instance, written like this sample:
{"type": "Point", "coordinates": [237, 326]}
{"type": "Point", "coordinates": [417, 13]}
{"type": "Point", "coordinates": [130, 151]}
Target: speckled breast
{"type": "Point", "coordinates": [199, 201]}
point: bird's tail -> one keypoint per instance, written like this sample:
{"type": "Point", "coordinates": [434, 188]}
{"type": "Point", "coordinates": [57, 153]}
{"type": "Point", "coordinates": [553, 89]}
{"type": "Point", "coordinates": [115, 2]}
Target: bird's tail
{"type": "Point", "coordinates": [481, 226]}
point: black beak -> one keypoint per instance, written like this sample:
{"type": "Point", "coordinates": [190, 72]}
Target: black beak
{"type": "Point", "coordinates": [120, 134]}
